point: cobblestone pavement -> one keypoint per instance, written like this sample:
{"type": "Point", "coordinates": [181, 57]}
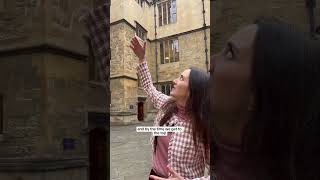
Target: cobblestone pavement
{"type": "Point", "coordinates": [130, 153]}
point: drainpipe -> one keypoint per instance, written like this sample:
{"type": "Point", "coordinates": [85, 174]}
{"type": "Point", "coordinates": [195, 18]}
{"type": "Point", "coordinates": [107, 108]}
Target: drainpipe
{"type": "Point", "coordinates": [155, 38]}
{"type": "Point", "coordinates": [205, 35]}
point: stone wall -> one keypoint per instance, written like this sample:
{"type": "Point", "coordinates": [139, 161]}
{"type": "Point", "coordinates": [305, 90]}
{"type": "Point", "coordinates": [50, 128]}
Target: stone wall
{"type": "Point", "coordinates": [67, 97]}
{"type": "Point", "coordinates": [123, 60]}
{"type": "Point", "coordinates": [21, 24]}
{"type": "Point", "coordinates": [64, 24]}
{"type": "Point", "coordinates": [191, 54]}
{"type": "Point", "coordinates": [45, 102]}
{"type": "Point", "coordinates": [123, 73]}
{"type": "Point", "coordinates": [117, 50]}
{"type": "Point", "coordinates": [47, 93]}
{"type": "Point", "coordinates": [124, 99]}
{"type": "Point", "coordinates": [21, 84]}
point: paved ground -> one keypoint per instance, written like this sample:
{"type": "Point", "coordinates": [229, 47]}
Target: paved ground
{"type": "Point", "coordinates": [130, 153]}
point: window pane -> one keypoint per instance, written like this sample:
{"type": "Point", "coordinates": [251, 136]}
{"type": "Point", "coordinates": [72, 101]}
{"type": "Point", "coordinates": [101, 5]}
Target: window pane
{"type": "Point", "coordinates": [171, 51]}
{"type": "Point", "coordinates": [161, 53]}
{"type": "Point", "coordinates": [173, 11]}
{"type": "Point", "coordinates": [176, 50]}
{"type": "Point", "coordinates": [166, 52]}
{"type": "Point", "coordinates": [160, 14]}
{"type": "Point", "coordinates": [169, 12]}
{"type": "Point", "coordinates": [140, 32]}
{"type": "Point", "coordinates": [164, 13]}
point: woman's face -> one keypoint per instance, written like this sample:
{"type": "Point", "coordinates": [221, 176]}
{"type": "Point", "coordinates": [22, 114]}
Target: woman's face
{"type": "Point", "coordinates": [230, 80]}
{"type": "Point", "coordinates": [180, 86]}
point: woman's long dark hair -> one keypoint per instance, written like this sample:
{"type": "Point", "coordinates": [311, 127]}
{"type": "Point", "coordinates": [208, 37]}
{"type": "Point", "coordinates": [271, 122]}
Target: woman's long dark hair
{"type": "Point", "coordinates": [285, 119]}
{"type": "Point", "coordinates": [195, 107]}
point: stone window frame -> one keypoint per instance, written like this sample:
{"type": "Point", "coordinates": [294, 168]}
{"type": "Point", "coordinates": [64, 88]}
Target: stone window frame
{"type": "Point", "coordinates": [140, 31]}
{"type": "Point", "coordinates": [166, 13]}
{"type": "Point", "coordinates": [163, 45]}
{"type": "Point", "coordinates": [165, 87]}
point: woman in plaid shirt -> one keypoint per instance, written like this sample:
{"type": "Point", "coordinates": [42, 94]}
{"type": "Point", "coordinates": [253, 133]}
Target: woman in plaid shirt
{"type": "Point", "coordinates": [265, 87]}
{"type": "Point", "coordinates": [186, 152]}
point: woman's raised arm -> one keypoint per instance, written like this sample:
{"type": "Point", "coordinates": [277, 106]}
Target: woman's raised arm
{"type": "Point", "coordinates": [156, 97]}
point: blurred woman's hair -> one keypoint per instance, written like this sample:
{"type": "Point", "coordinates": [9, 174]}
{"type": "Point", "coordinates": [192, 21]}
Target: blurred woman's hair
{"type": "Point", "coordinates": [282, 133]}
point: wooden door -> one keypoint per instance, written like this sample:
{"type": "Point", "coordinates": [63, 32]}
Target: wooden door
{"type": "Point", "coordinates": [98, 169]}
{"type": "Point", "coordinates": [140, 111]}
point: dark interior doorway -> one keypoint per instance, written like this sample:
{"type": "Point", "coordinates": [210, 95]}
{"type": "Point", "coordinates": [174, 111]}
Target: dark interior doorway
{"type": "Point", "coordinates": [140, 111]}
{"type": "Point", "coordinates": [98, 148]}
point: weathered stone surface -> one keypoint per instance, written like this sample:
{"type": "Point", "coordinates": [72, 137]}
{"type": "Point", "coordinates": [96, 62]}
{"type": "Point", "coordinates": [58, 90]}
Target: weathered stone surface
{"type": "Point", "coordinates": [117, 49]}
{"type": "Point", "coordinates": [22, 106]}
{"type": "Point", "coordinates": [47, 95]}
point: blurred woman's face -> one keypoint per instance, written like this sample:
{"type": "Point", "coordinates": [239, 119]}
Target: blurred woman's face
{"type": "Point", "coordinates": [230, 79]}
{"type": "Point", "coordinates": [180, 86]}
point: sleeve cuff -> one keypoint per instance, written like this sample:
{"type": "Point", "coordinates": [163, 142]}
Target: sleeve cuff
{"type": "Point", "coordinates": [142, 65]}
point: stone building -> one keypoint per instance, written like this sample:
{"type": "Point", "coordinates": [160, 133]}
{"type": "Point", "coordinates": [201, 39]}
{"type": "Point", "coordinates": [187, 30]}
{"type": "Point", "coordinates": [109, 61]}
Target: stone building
{"type": "Point", "coordinates": [52, 105]}
{"type": "Point", "coordinates": [229, 15]}
{"type": "Point", "coordinates": [177, 36]}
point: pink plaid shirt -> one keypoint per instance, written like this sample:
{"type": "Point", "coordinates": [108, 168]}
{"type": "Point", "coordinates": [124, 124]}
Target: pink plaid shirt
{"type": "Point", "coordinates": [186, 159]}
